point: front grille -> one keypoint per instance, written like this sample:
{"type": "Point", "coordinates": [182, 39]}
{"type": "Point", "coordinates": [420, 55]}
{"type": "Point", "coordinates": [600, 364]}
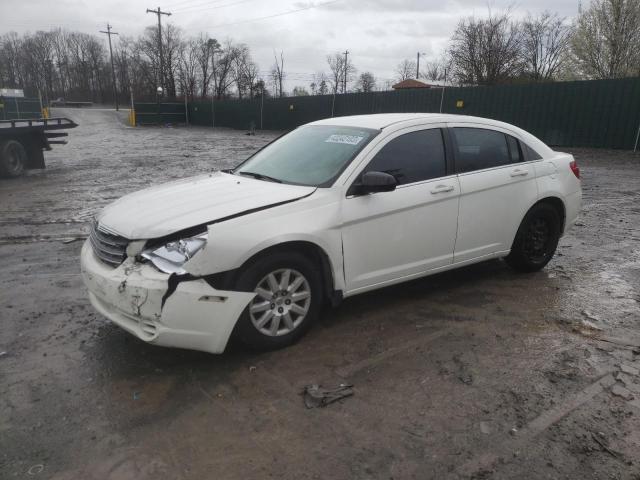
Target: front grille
{"type": "Point", "coordinates": [109, 248]}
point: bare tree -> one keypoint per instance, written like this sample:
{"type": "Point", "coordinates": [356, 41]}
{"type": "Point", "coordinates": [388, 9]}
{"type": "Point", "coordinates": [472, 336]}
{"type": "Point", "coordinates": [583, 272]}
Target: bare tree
{"type": "Point", "coordinates": [545, 39]}
{"type": "Point", "coordinates": [606, 42]}
{"type": "Point", "coordinates": [207, 48]}
{"type": "Point", "coordinates": [434, 70]}
{"type": "Point", "coordinates": [405, 70]}
{"type": "Point", "coordinates": [342, 72]}
{"type": "Point", "coordinates": [76, 65]}
{"type": "Point", "coordinates": [188, 68]}
{"type": "Point", "coordinates": [366, 82]}
{"type": "Point", "coordinates": [277, 74]}
{"type": "Point", "coordinates": [299, 91]}
{"type": "Point", "coordinates": [319, 84]}
{"type": "Point", "coordinates": [486, 51]}
{"type": "Point", "coordinates": [223, 61]}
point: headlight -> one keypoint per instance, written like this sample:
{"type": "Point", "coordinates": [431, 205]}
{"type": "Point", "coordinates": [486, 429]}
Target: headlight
{"type": "Point", "coordinates": [171, 257]}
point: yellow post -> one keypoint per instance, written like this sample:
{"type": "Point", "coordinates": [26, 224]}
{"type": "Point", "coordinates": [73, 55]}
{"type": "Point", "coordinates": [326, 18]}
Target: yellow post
{"type": "Point", "coordinates": [45, 112]}
{"type": "Point", "coordinates": [132, 117]}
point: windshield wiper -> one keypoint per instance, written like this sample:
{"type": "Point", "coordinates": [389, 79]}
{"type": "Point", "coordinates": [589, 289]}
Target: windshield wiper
{"type": "Point", "coordinates": [260, 176]}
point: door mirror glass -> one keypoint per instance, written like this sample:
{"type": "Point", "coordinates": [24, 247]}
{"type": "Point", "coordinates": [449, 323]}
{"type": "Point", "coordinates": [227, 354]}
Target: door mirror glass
{"type": "Point", "coordinates": [373, 182]}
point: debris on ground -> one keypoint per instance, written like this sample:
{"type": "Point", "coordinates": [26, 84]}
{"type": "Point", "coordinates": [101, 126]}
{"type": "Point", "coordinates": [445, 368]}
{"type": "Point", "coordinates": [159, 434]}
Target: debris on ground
{"type": "Point", "coordinates": [35, 469]}
{"type": "Point", "coordinates": [624, 368]}
{"type": "Point", "coordinates": [485, 428]}
{"type": "Point", "coordinates": [318, 396]}
{"type": "Point", "coordinates": [71, 240]}
{"type": "Point", "coordinates": [600, 440]}
{"type": "Point", "coordinates": [620, 391]}
{"type": "Point", "coordinates": [2, 354]}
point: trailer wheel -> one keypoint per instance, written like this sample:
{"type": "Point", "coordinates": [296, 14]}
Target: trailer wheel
{"type": "Point", "coordinates": [13, 158]}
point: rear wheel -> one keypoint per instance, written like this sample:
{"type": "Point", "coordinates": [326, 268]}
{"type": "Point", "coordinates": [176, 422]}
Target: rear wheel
{"type": "Point", "coordinates": [13, 158]}
{"type": "Point", "coordinates": [288, 300]}
{"type": "Point", "coordinates": [536, 240]}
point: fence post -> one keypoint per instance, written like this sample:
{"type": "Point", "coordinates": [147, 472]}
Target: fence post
{"type": "Point", "coordinates": [186, 111]}
{"type": "Point", "coordinates": [132, 111]}
{"type": "Point", "coordinates": [261, 106]}
{"type": "Point", "coordinates": [213, 117]}
{"type": "Point", "coordinates": [635, 147]}
{"type": "Point", "coordinates": [444, 85]}
{"type": "Point", "coordinates": [15, 99]}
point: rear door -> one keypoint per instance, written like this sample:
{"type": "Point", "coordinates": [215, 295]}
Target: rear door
{"type": "Point", "coordinates": [392, 235]}
{"type": "Point", "coordinates": [497, 188]}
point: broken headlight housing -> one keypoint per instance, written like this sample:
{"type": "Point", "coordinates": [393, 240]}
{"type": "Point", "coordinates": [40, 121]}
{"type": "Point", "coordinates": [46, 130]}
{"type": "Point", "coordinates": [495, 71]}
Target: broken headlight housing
{"type": "Point", "coordinates": [171, 257]}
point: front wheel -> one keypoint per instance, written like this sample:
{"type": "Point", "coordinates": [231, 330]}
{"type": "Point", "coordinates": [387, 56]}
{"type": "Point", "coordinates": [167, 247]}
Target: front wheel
{"type": "Point", "coordinates": [288, 299]}
{"type": "Point", "coordinates": [536, 239]}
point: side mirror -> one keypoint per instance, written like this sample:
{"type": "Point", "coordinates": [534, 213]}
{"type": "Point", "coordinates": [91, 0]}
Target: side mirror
{"type": "Point", "coordinates": [373, 182]}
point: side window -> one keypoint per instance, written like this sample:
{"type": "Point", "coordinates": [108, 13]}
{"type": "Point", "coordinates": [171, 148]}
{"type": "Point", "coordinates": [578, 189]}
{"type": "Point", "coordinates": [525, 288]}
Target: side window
{"type": "Point", "coordinates": [514, 150]}
{"type": "Point", "coordinates": [412, 157]}
{"type": "Point", "coordinates": [477, 148]}
{"type": "Point", "coordinates": [531, 153]}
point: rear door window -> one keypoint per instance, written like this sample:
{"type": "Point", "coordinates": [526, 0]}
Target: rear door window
{"type": "Point", "coordinates": [479, 148]}
{"type": "Point", "coordinates": [412, 157]}
{"type": "Point", "coordinates": [514, 149]}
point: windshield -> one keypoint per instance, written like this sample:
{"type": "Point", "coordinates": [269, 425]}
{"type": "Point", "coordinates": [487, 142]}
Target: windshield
{"type": "Point", "coordinates": [312, 155]}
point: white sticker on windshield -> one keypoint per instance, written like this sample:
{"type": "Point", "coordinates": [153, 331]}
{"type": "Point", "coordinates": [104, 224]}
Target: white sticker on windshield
{"type": "Point", "coordinates": [347, 139]}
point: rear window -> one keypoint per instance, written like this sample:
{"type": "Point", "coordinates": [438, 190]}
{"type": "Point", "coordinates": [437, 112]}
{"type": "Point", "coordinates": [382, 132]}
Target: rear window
{"type": "Point", "coordinates": [531, 153]}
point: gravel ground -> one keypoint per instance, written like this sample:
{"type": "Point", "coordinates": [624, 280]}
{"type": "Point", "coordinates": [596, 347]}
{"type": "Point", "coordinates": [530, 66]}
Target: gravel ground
{"type": "Point", "coordinates": [477, 373]}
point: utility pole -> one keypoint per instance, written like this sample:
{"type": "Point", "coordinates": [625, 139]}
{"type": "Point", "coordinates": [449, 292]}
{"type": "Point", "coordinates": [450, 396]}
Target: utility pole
{"type": "Point", "coordinates": [418, 66]}
{"type": "Point", "coordinates": [113, 71]}
{"type": "Point", "coordinates": [346, 65]}
{"type": "Point", "coordinates": [159, 12]}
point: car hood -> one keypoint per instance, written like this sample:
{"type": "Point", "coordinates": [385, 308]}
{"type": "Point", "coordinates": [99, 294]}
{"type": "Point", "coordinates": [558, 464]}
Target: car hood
{"type": "Point", "coordinates": [165, 209]}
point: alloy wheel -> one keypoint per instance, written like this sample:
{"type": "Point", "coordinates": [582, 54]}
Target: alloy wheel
{"type": "Point", "coordinates": [282, 302]}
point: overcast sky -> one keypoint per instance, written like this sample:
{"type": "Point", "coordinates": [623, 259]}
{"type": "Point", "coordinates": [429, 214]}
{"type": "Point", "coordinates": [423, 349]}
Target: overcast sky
{"type": "Point", "coordinates": [378, 33]}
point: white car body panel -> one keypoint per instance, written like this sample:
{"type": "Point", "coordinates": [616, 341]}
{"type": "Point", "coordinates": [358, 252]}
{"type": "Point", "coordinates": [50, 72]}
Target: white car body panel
{"type": "Point", "coordinates": [492, 204]}
{"type": "Point", "coordinates": [158, 211]}
{"type": "Point", "coordinates": [379, 231]}
{"type": "Point", "coordinates": [369, 241]}
{"type": "Point", "coordinates": [195, 316]}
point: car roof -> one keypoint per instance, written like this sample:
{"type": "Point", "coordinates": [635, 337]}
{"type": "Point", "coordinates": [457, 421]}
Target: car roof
{"type": "Point", "coordinates": [383, 120]}
{"type": "Point", "coordinates": [380, 121]}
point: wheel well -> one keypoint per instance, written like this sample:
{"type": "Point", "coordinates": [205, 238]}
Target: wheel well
{"type": "Point", "coordinates": [558, 204]}
{"type": "Point", "coordinates": [314, 253]}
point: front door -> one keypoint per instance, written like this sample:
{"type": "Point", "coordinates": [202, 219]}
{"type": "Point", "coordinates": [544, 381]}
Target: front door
{"type": "Point", "coordinates": [389, 236]}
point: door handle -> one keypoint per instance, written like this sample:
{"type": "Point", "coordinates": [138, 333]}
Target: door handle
{"type": "Point", "coordinates": [518, 172]}
{"type": "Point", "coordinates": [442, 189]}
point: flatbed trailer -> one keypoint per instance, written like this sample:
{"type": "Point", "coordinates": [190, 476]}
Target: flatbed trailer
{"type": "Point", "coordinates": [22, 142]}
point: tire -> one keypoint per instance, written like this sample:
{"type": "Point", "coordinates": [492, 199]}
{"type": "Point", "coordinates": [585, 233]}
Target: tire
{"type": "Point", "coordinates": [13, 158]}
{"type": "Point", "coordinates": [271, 322]}
{"type": "Point", "coordinates": [536, 240]}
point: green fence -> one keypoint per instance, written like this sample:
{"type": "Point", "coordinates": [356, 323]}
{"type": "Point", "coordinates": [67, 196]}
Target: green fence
{"type": "Point", "coordinates": [159, 113]}
{"type": "Point", "coordinates": [13, 108]}
{"type": "Point", "coordinates": [595, 113]}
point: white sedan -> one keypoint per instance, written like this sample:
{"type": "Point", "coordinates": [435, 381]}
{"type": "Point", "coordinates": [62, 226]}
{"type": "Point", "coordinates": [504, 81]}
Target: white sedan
{"type": "Point", "coordinates": [334, 208]}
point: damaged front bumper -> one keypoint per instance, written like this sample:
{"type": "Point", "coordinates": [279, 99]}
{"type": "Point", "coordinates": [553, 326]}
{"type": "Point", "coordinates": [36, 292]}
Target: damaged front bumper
{"type": "Point", "coordinates": [194, 316]}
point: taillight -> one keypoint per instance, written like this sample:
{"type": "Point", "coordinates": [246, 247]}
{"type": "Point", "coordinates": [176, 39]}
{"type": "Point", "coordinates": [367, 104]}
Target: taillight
{"type": "Point", "coordinates": [575, 168]}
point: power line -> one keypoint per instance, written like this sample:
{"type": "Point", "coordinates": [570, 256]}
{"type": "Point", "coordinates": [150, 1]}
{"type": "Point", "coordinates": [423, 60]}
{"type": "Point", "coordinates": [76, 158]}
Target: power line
{"type": "Point", "coordinates": [199, 8]}
{"type": "Point", "coordinates": [113, 71]}
{"type": "Point", "coordinates": [274, 15]}
{"type": "Point", "coordinates": [159, 13]}
{"type": "Point", "coordinates": [181, 4]}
